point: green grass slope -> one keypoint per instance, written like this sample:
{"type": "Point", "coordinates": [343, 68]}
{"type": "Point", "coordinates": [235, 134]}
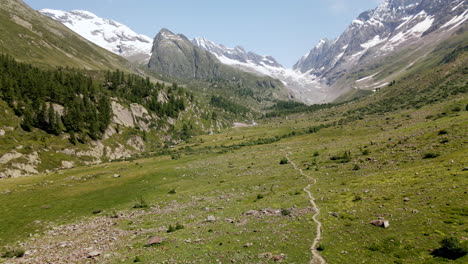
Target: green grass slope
{"type": "Point", "coordinates": [371, 160]}
{"type": "Point", "coordinates": [33, 38]}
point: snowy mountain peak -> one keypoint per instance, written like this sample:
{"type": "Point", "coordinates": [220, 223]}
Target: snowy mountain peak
{"type": "Point", "coordinates": [106, 33]}
{"type": "Point", "coordinates": [303, 87]}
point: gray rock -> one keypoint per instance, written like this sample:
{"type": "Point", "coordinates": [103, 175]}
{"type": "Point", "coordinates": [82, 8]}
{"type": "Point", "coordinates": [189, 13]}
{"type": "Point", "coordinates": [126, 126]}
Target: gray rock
{"type": "Point", "coordinates": [211, 218]}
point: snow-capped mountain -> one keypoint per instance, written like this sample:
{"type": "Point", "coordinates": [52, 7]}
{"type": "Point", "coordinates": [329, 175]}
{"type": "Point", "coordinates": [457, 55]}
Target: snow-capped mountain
{"type": "Point", "coordinates": [379, 36]}
{"type": "Point", "coordinates": [106, 33]}
{"type": "Point", "coordinates": [302, 87]}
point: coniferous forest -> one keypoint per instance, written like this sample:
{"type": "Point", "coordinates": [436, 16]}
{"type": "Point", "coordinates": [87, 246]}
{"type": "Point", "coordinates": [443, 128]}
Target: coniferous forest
{"type": "Point", "coordinates": [70, 100]}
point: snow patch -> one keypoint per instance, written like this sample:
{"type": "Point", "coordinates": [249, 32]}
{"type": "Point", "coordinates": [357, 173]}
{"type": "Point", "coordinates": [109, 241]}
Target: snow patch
{"type": "Point", "coordinates": [373, 42]}
{"type": "Point", "coordinates": [456, 21]}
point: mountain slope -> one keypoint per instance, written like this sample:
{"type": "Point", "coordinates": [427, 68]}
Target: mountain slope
{"type": "Point", "coordinates": [383, 43]}
{"type": "Point", "coordinates": [302, 87]}
{"type": "Point", "coordinates": [105, 33]}
{"type": "Point", "coordinates": [34, 38]}
{"type": "Point", "coordinates": [176, 56]}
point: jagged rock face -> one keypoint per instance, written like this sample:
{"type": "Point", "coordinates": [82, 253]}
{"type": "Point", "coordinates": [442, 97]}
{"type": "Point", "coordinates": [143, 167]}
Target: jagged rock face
{"type": "Point", "coordinates": [237, 54]}
{"type": "Point", "coordinates": [381, 31]}
{"type": "Point", "coordinates": [176, 56]}
{"type": "Point", "coordinates": [108, 34]}
{"type": "Point", "coordinates": [301, 87]}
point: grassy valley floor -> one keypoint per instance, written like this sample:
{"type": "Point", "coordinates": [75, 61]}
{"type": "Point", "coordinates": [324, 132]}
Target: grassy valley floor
{"type": "Point", "coordinates": [229, 200]}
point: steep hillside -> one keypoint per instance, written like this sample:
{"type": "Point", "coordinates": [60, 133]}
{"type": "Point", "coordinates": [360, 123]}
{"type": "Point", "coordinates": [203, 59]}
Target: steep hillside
{"type": "Point", "coordinates": [383, 43]}
{"type": "Point", "coordinates": [31, 37]}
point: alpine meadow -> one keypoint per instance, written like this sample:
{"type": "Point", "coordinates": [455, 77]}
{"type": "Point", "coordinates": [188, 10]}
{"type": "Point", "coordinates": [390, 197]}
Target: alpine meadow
{"type": "Point", "coordinates": [117, 147]}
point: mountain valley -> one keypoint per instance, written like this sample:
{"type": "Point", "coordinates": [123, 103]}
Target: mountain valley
{"type": "Point", "coordinates": [116, 147]}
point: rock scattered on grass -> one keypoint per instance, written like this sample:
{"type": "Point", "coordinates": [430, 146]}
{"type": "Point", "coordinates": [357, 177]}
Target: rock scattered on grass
{"type": "Point", "coordinates": [211, 219]}
{"type": "Point", "coordinates": [381, 223]}
{"type": "Point", "coordinates": [94, 254]}
{"type": "Point", "coordinates": [154, 241]}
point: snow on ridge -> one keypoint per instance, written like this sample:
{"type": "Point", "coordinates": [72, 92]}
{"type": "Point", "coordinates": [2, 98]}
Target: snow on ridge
{"type": "Point", "coordinates": [367, 78]}
{"type": "Point", "coordinates": [373, 42]}
{"type": "Point", "coordinates": [108, 34]}
{"type": "Point", "coordinates": [456, 21]}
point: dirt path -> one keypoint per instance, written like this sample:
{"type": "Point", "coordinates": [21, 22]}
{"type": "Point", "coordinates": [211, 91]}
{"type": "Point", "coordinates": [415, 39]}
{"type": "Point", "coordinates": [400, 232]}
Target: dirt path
{"type": "Point", "coordinates": [316, 257]}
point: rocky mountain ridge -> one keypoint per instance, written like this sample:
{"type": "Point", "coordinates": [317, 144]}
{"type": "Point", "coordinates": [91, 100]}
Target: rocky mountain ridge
{"type": "Point", "coordinates": [378, 34]}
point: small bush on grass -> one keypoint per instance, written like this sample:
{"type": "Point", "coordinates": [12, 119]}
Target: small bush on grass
{"type": "Point", "coordinates": [260, 196]}
{"type": "Point", "coordinates": [451, 248]}
{"type": "Point", "coordinates": [172, 191]}
{"type": "Point", "coordinates": [321, 247]}
{"type": "Point", "coordinates": [285, 212]}
{"type": "Point", "coordinates": [140, 203]}
{"type": "Point", "coordinates": [356, 167]}
{"type": "Point", "coordinates": [172, 228]}
{"type": "Point", "coordinates": [431, 155]}
{"type": "Point", "coordinates": [13, 253]}
{"type": "Point", "coordinates": [443, 132]}
{"type": "Point", "coordinates": [284, 161]}
{"type": "Point", "coordinates": [343, 158]}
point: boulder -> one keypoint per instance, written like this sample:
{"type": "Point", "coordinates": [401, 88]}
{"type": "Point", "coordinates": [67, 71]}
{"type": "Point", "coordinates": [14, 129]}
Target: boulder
{"type": "Point", "coordinates": [381, 223]}
{"type": "Point", "coordinates": [211, 218]}
{"type": "Point", "coordinates": [154, 241]}
{"type": "Point", "coordinates": [94, 254]}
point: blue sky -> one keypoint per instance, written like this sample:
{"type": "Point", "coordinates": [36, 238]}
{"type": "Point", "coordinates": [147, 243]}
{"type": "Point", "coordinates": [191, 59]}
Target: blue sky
{"type": "Point", "coordinates": [284, 29]}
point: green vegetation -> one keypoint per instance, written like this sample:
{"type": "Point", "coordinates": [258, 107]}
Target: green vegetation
{"type": "Point", "coordinates": [451, 248]}
{"type": "Point", "coordinates": [223, 103]}
{"type": "Point", "coordinates": [13, 253]}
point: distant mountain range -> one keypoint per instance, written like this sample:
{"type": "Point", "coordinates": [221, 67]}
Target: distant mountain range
{"type": "Point", "coordinates": [396, 34]}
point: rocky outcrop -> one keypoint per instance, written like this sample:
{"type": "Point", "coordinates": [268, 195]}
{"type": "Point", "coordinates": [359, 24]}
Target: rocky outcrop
{"type": "Point", "coordinates": [176, 56]}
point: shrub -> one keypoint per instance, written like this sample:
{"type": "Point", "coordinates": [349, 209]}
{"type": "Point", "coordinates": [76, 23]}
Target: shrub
{"type": "Point", "coordinates": [321, 247]}
{"type": "Point", "coordinates": [456, 109]}
{"type": "Point", "coordinates": [357, 198]}
{"type": "Point", "coordinates": [356, 167]}
{"type": "Point", "coordinates": [97, 211]}
{"type": "Point", "coordinates": [171, 229]}
{"type": "Point", "coordinates": [137, 259]}
{"type": "Point", "coordinates": [284, 161]}
{"type": "Point", "coordinates": [430, 155]}
{"type": "Point", "coordinates": [365, 152]}
{"type": "Point", "coordinates": [343, 158]}
{"type": "Point", "coordinates": [13, 253]}
{"type": "Point", "coordinates": [172, 191]}
{"type": "Point", "coordinates": [179, 226]}
{"type": "Point", "coordinates": [316, 154]}
{"type": "Point", "coordinates": [259, 196]}
{"type": "Point", "coordinates": [443, 132]}
{"type": "Point", "coordinates": [140, 203]}
{"type": "Point", "coordinates": [285, 212]}
{"type": "Point", "coordinates": [451, 248]}
{"type": "Point", "coordinates": [175, 156]}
